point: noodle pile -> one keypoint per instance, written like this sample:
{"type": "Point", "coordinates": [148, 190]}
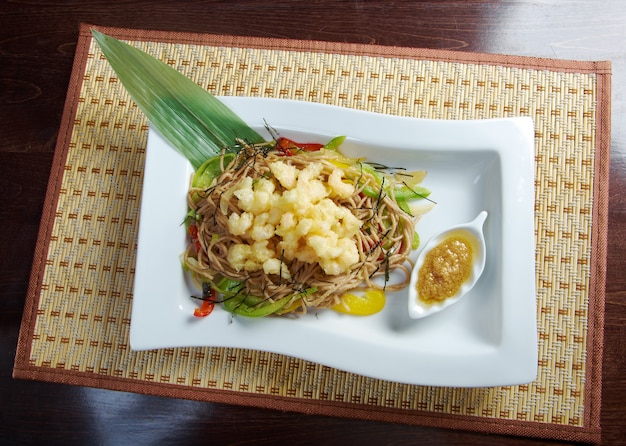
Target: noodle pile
{"type": "Point", "coordinates": [383, 241]}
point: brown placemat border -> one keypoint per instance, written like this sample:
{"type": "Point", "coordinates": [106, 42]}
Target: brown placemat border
{"type": "Point", "coordinates": [591, 430]}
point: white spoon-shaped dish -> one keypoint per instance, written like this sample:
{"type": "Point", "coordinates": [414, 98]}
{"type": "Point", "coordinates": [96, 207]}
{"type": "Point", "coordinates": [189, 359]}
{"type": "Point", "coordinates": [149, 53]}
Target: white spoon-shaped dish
{"type": "Point", "coordinates": [472, 232]}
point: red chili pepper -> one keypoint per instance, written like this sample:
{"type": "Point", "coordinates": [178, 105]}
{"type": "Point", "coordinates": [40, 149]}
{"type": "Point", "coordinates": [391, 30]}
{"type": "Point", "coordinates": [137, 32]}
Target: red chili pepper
{"type": "Point", "coordinates": [285, 152]}
{"type": "Point", "coordinates": [208, 303]}
{"type": "Point", "coordinates": [193, 234]}
{"type": "Point", "coordinates": [285, 145]}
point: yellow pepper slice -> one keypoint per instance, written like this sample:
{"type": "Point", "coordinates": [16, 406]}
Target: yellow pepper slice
{"type": "Point", "coordinates": [371, 302]}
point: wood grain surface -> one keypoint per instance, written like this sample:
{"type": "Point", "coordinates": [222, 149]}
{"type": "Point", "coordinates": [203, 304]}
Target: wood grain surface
{"type": "Point", "coordinates": [37, 42]}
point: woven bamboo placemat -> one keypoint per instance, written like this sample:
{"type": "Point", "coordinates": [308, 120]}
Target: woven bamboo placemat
{"type": "Point", "coordinates": [77, 315]}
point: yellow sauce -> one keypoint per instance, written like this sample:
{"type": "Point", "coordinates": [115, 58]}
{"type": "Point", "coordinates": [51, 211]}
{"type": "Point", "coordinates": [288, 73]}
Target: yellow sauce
{"type": "Point", "coordinates": [446, 267]}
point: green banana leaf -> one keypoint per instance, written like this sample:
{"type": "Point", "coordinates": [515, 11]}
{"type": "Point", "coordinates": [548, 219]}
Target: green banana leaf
{"type": "Point", "coordinates": [192, 120]}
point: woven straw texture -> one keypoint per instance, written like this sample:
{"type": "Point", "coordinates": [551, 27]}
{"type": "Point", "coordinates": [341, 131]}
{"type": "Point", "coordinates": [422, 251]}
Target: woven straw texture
{"type": "Point", "coordinates": [81, 319]}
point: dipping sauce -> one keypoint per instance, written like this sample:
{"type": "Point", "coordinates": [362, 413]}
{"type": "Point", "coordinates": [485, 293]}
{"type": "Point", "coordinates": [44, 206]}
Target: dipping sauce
{"type": "Point", "coordinates": [446, 267]}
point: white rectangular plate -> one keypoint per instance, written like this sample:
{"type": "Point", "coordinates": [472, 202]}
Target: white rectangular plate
{"type": "Point", "coordinates": [487, 339]}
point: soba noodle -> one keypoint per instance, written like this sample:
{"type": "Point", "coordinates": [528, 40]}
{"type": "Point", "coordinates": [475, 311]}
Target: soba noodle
{"type": "Point", "coordinates": [383, 241]}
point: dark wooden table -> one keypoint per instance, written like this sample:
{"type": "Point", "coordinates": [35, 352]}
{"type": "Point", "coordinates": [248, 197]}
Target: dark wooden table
{"type": "Point", "coordinates": [37, 42]}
